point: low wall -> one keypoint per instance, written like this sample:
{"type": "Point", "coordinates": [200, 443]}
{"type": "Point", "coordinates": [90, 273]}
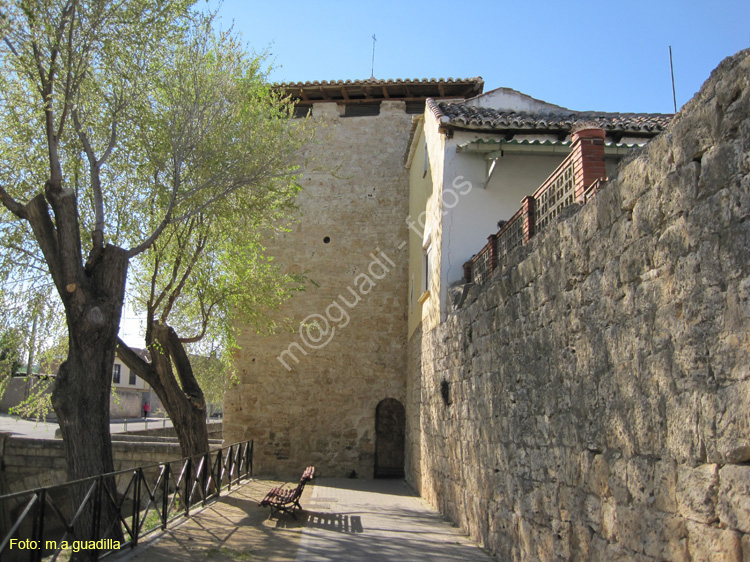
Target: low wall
{"type": "Point", "coordinates": [591, 401]}
{"type": "Point", "coordinates": [35, 463]}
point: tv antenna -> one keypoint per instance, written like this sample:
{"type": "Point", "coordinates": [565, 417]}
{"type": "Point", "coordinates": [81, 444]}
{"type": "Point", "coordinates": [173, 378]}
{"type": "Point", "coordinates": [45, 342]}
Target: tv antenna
{"type": "Point", "coordinates": [372, 69]}
{"type": "Point", "coordinates": [671, 68]}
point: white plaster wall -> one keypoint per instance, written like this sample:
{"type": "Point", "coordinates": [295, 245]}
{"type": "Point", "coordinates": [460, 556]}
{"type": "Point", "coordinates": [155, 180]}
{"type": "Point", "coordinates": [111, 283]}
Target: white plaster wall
{"type": "Point", "coordinates": [436, 147]}
{"type": "Point", "coordinates": [125, 377]}
{"type": "Point", "coordinates": [507, 99]}
{"type": "Point", "coordinates": [471, 213]}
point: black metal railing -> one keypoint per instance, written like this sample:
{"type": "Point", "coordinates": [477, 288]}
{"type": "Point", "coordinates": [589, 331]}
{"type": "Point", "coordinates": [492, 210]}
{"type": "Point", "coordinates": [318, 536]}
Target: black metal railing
{"type": "Point", "coordinates": [115, 510]}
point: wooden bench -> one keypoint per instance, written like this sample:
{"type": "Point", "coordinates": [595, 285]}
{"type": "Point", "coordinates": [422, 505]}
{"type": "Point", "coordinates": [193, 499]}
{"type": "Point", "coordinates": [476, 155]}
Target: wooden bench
{"type": "Point", "coordinates": [286, 499]}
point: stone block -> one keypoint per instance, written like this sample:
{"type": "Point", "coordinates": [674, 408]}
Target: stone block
{"type": "Point", "coordinates": [697, 492]}
{"type": "Point", "coordinates": [733, 506]}
{"type": "Point", "coordinates": [707, 543]}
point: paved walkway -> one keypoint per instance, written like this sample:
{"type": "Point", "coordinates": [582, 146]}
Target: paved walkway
{"type": "Point", "coordinates": [378, 520]}
{"type": "Point", "coordinates": [344, 520]}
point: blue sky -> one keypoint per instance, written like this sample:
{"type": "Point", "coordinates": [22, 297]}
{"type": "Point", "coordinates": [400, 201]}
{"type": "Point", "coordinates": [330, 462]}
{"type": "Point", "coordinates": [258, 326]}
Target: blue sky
{"type": "Point", "coordinates": [604, 55]}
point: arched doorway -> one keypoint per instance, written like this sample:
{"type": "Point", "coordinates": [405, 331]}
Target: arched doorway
{"type": "Point", "coordinates": [390, 437]}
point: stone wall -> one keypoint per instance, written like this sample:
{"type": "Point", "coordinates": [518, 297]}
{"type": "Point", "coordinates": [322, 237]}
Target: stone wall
{"type": "Point", "coordinates": [309, 395]}
{"type": "Point", "coordinates": [36, 463]}
{"type": "Point", "coordinates": [591, 401]}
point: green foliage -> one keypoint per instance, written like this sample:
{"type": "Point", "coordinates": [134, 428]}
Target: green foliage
{"type": "Point", "coordinates": [175, 148]}
{"type": "Point", "coordinates": [38, 403]}
{"type": "Point", "coordinates": [10, 344]}
{"type": "Point", "coordinates": [205, 270]}
{"type": "Point", "coordinates": [211, 374]}
{"type": "Point", "coordinates": [84, 71]}
{"type": "Point", "coordinates": [31, 331]}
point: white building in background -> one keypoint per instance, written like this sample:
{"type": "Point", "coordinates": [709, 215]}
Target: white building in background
{"type": "Point", "coordinates": [472, 162]}
{"type": "Point", "coordinates": [130, 392]}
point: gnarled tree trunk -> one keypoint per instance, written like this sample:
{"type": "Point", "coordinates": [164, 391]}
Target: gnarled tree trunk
{"type": "Point", "coordinates": [92, 294]}
{"type": "Point", "coordinates": [181, 395]}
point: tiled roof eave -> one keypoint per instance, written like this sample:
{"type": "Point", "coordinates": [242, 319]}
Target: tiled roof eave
{"type": "Point", "coordinates": [458, 116]}
{"type": "Point", "coordinates": [551, 130]}
{"type": "Point", "coordinates": [379, 82]}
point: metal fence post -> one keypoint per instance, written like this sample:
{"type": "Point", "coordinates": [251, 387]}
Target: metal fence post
{"type": "Point", "coordinates": [37, 531]}
{"type": "Point", "coordinates": [97, 509]}
{"type": "Point", "coordinates": [188, 474]}
{"type": "Point", "coordinates": [165, 497]}
{"type": "Point", "coordinates": [136, 521]}
{"type": "Point", "coordinates": [204, 479]}
{"type": "Point", "coordinates": [229, 469]}
{"type": "Point", "coordinates": [219, 466]}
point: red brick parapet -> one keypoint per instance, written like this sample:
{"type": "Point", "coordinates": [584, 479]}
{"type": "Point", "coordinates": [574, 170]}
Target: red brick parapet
{"type": "Point", "coordinates": [587, 152]}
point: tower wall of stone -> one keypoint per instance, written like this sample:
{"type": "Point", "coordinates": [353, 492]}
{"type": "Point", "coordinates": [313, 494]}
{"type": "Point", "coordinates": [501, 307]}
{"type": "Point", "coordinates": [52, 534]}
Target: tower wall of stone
{"type": "Point", "coordinates": [308, 396]}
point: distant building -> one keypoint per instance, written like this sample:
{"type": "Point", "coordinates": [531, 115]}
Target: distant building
{"type": "Point", "coordinates": [130, 392]}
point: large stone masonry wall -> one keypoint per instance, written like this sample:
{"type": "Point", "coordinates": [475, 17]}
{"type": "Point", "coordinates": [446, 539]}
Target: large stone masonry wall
{"type": "Point", "coordinates": [348, 242]}
{"type": "Point", "coordinates": [592, 402]}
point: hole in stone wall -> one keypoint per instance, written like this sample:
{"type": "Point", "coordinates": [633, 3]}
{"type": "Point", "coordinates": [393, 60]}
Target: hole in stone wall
{"type": "Point", "coordinates": [445, 392]}
{"type": "Point", "coordinates": [326, 239]}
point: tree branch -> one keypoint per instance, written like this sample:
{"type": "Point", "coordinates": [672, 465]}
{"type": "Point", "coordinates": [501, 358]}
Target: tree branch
{"type": "Point", "coordinates": [46, 235]}
{"type": "Point", "coordinates": [205, 317]}
{"type": "Point", "coordinates": [146, 244]}
{"type": "Point", "coordinates": [70, 11]}
{"type": "Point", "coordinates": [190, 386]}
{"type": "Point", "coordinates": [175, 269]}
{"type": "Point", "coordinates": [137, 364]}
{"type": "Point", "coordinates": [201, 245]}
{"type": "Point", "coordinates": [97, 237]}
{"type": "Point", "coordinates": [12, 205]}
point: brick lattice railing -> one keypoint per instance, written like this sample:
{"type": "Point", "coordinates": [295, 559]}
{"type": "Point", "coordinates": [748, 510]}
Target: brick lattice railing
{"type": "Point", "coordinates": [576, 180]}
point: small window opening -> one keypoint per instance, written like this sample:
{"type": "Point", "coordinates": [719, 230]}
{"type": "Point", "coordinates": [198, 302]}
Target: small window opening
{"type": "Point", "coordinates": [361, 109]}
{"type": "Point", "coordinates": [445, 392]}
{"type": "Point", "coordinates": [301, 111]}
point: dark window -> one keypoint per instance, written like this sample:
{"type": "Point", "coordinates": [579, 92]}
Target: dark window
{"type": "Point", "coordinates": [301, 111]}
{"type": "Point", "coordinates": [116, 374]}
{"type": "Point", "coordinates": [361, 109]}
{"type": "Point", "coordinates": [131, 380]}
{"type": "Point", "coordinates": [414, 107]}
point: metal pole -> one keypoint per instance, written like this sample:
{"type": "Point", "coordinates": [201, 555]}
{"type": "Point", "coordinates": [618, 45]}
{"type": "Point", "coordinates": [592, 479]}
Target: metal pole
{"type": "Point", "coordinates": [671, 68]}
{"type": "Point", "coordinates": [165, 497]}
{"type": "Point", "coordinates": [188, 474]}
{"type": "Point", "coordinates": [38, 530]}
{"type": "Point", "coordinates": [136, 521]}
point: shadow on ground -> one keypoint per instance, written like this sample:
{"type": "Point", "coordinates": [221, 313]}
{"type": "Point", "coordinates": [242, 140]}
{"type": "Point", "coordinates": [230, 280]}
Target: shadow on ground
{"type": "Point", "coordinates": [337, 522]}
{"type": "Point", "coordinates": [233, 529]}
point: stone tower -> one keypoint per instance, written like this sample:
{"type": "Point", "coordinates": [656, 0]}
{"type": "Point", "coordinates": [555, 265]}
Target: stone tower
{"type": "Point", "coordinates": [332, 392]}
